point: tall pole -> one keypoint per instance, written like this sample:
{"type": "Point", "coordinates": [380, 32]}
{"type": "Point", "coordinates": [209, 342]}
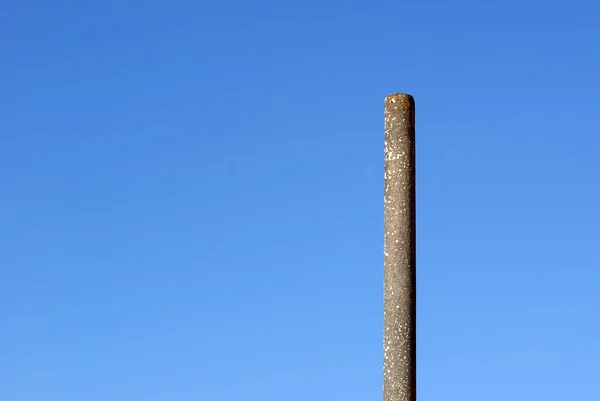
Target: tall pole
{"type": "Point", "coordinates": [399, 336]}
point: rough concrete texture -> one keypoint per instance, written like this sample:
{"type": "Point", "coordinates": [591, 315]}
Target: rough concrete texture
{"type": "Point", "coordinates": [399, 376]}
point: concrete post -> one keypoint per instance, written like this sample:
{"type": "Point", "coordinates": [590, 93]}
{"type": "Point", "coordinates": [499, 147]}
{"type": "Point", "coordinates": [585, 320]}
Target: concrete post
{"type": "Point", "coordinates": [399, 377]}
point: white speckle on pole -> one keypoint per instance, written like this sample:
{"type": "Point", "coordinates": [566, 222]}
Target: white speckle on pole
{"type": "Point", "coordinates": [399, 363]}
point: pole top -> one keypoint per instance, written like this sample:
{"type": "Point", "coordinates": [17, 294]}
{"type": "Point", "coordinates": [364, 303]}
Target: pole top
{"type": "Point", "coordinates": [402, 98]}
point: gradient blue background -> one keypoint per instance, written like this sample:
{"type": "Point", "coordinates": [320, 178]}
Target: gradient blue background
{"type": "Point", "coordinates": [191, 198]}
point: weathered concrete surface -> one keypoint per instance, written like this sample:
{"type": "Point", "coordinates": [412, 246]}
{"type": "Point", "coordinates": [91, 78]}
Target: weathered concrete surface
{"type": "Point", "coordinates": [399, 376]}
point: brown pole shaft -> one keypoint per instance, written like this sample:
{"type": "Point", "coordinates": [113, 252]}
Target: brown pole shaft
{"type": "Point", "coordinates": [399, 376]}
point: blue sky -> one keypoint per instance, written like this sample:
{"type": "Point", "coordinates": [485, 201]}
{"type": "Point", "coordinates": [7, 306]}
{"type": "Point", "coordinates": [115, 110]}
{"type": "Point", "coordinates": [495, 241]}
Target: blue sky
{"type": "Point", "coordinates": [192, 198]}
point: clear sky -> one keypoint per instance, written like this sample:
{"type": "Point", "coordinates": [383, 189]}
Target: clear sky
{"type": "Point", "coordinates": [191, 198]}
